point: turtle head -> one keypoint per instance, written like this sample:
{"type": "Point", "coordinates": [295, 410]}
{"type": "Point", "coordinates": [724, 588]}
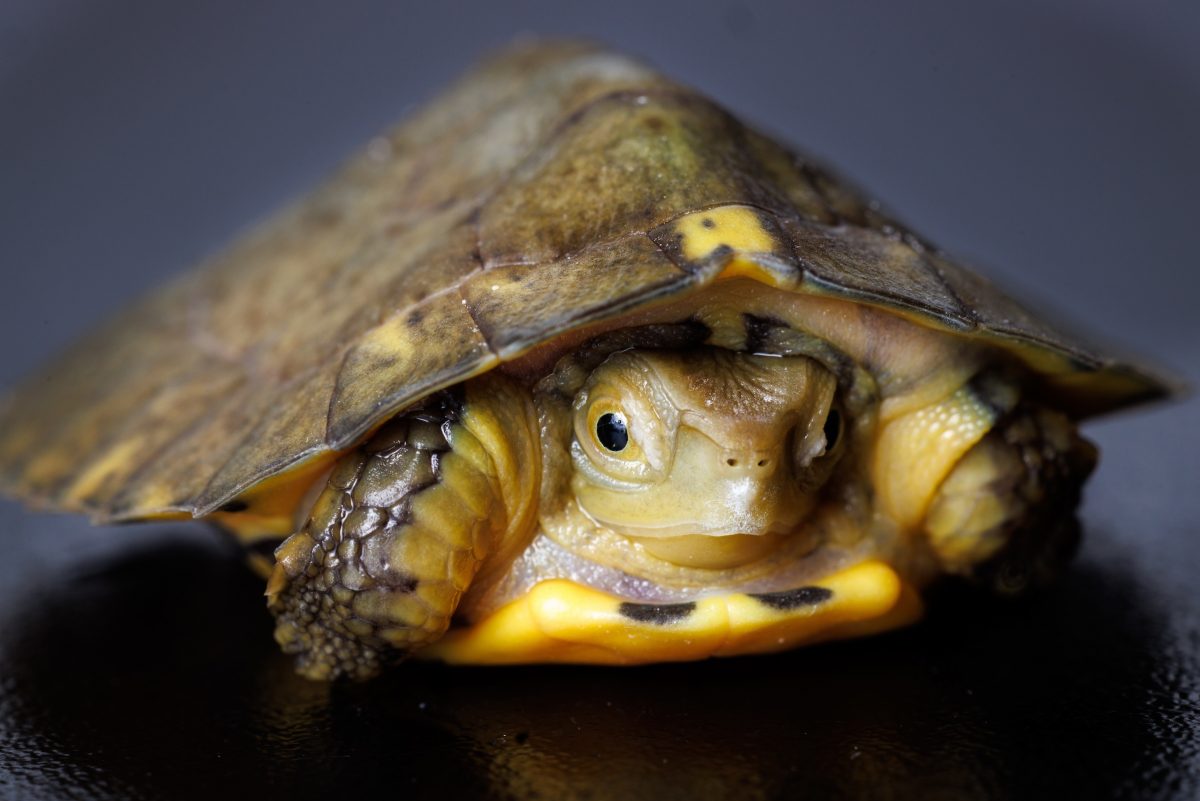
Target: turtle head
{"type": "Point", "coordinates": [707, 457]}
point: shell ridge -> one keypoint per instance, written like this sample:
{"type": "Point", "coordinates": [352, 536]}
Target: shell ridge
{"type": "Point", "coordinates": [112, 510]}
{"type": "Point", "coordinates": [206, 500]}
{"type": "Point", "coordinates": [931, 269]}
{"type": "Point", "coordinates": [350, 348]}
{"type": "Point", "coordinates": [960, 318]}
{"type": "Point", "coordinates": [473, 314]}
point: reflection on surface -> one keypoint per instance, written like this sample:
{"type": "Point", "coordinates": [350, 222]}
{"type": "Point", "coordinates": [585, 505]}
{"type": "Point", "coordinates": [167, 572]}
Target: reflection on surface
{"type": "Point", "coordinates": [155, 676]}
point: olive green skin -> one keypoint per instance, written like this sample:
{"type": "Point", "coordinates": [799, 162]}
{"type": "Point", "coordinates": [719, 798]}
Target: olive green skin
{"type": "Point", "coordinates": [488, 225]}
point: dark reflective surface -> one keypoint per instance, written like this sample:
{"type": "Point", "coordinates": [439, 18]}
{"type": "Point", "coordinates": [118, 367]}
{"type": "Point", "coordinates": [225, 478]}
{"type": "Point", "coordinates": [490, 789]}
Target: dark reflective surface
{"type": "Point", "coordinates": [153, 675]}
{"type": "Point", "coordinates": [1053, 142]}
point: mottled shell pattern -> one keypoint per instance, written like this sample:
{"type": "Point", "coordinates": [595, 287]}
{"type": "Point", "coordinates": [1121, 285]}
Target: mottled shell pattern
{"type": "Point", "coordinates": [534, 198]}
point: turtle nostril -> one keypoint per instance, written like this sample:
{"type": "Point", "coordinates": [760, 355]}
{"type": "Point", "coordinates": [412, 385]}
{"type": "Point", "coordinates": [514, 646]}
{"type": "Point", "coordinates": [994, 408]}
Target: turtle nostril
{"type": "Point", "coordinates": [748, 463]}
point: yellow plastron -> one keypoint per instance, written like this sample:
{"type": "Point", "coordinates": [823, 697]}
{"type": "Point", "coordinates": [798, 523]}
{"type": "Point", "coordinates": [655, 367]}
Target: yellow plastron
{"type": "Point", "coordinates": [560, 621]}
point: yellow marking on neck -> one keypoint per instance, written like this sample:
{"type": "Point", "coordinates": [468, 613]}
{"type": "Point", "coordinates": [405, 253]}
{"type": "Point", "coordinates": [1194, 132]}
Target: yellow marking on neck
{"type": "Point", "coordinates": [738, 228]}
{"type": "Point", "coordinates": [560, 621]}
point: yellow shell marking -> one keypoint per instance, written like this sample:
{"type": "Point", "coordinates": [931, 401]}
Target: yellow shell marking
{"type": "Point", "coordinates": [737, 228]}
{"type": "Point", "coordinates": [100, 471]}
{"type": "Point", "coordinates": [560, 621]}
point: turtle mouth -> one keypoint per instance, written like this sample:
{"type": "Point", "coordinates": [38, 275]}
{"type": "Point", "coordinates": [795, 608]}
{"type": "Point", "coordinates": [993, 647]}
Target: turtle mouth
{"type": "Point", "coordinates": [714, 551]}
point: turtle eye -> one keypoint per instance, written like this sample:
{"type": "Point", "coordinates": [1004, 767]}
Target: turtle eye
{"type": "Point", "coordinates": [832, 429]}
{"type": "Point", "coordinates": [612, 431]}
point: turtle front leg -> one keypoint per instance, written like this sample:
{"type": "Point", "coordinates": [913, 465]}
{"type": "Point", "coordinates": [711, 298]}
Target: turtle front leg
{"type": "Point", "coordinates": [401, 529]}
{"type": "Point", "coordinates": [1005, 515]}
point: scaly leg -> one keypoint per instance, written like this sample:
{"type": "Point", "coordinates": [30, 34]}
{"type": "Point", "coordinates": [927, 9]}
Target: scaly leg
{"type": "Point", "coordinates": [402, 527]}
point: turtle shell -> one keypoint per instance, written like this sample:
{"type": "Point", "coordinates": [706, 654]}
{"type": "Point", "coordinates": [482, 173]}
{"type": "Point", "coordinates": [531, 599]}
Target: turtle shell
{"type": "Point", "coordinates": [542, 193]}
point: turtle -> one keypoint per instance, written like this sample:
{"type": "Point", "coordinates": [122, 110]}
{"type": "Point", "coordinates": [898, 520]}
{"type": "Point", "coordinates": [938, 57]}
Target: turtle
{"type": "Point", "coordinates": [574, 366]}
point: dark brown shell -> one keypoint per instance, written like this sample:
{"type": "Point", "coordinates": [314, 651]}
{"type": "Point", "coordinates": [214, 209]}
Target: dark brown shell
{"type": "Point", "coordinates": [535, 196]}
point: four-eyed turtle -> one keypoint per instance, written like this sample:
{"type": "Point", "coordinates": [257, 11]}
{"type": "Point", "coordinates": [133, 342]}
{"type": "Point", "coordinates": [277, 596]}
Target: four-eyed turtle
{"type": "Point", "coordinates": [573, 366]}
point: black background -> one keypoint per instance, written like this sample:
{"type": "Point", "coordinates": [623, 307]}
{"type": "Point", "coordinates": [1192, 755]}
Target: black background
{"type": "Point", "coordinates": [1055, 143]}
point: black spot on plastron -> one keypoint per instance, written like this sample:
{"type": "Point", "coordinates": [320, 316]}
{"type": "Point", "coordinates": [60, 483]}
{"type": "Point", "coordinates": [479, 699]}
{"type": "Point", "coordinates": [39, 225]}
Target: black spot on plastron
{"type": "Point", "coordinates": [658, 614]}
{"type": "Point", "coordinates": [707, 222]}
{"type": "Point", "coordinates": [234, 506]}
{"type": "Point", "coordinates": [794, 599]}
